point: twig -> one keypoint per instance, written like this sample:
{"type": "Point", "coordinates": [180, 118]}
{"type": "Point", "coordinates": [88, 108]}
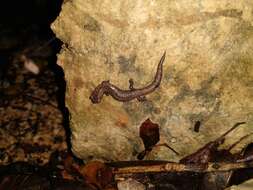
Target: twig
{"type": "Point", "coordinates": [167, 146]}
{"type": "Point", "coordinates": [230, 130]}
{"type": "Point", "coordinates": [177, 167]}
{"type": "Point", "coordinates": [44, 45]}
{"type": "Point", "coordinates": [248, 158]}
{"type": "Point", "coordinates": [237, 142]}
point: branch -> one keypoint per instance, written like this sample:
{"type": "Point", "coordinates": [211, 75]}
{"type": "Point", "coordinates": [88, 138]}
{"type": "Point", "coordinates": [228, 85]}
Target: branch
{"type": "Point", "coordinates": [178, 167]}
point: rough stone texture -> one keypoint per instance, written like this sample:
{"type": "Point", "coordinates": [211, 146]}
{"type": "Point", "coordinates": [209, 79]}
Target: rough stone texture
{"type": "Point", "coordinates": [244, 186]}
{"type": "Point", "coordinates": [208, 72]}
{"type": "Point", "coordinates": [130, 184]}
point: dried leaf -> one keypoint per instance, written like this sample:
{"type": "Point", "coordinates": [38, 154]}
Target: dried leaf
{"type": "Point", "coordinates": [97, 174]}
{"type": "Point", "coordinates": [209, 152]}
{"type": "Point", "coordinates": [149, 133]}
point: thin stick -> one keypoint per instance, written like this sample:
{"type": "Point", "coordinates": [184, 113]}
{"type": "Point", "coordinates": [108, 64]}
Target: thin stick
{"type": "Point", "coordinates": [237, 142]}
{"type": "Point", "coordinates": [248, 158]}
{"type": "Point", "coordinates": [43, 45]}
{"type": "Point", "coordinates": [166, 145]}
{"type": "Point", "coordinates": [230, 130]}
{"type": "Point", "coordinates": [177, 167]}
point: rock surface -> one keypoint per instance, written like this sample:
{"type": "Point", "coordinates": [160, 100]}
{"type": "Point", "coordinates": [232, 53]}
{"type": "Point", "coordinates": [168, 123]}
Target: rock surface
{"type": "Point", "coordinates": [130, 184]}
{"type": "Point", "coordinates": [208, 72]}
{"type": "Point", "coordinates": [244, 186]}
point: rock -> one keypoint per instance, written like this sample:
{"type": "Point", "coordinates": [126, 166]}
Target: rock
{"type": "Point", "coordinates": [244, 186]}
{"type": "Point", "coordinates": [130, 184]}
{"type": "Point", "coordinates": [207, 74]}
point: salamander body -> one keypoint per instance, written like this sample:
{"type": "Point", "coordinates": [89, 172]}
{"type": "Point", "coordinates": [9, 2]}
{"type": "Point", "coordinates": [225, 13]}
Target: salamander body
{"type": "Point", "coordinates": [106, 88]}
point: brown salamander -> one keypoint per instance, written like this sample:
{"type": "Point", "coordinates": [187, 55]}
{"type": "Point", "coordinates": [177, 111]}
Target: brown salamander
{"type": "Point", "coordinates": [107, 88]}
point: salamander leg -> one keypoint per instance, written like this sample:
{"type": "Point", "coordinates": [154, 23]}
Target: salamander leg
{"type": "Point", "coordinates": [131, 84]}
{"type": "Point", "coordinates": [142, 98]}
{"type": "Point", "coordinates": [104, 84]}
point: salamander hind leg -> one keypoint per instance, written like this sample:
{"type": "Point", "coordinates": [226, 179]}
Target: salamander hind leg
{"type": "Point", "coordinates": [142, 98]}
{"type": "Point", "coordinates": [131, 84]}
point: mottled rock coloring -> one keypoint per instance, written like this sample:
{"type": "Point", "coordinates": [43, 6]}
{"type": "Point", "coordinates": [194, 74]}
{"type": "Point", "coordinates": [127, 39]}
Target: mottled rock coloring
{"type": "Point", "coordinates": [207, 74]}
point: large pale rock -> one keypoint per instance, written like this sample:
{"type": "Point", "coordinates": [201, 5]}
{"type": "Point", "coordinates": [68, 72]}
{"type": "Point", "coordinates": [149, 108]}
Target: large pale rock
{"type": "Point", "coordinates": [244, 186]}
{"type": "Point", "coordinates": [208, 72]}
{"type": "Point", "coordinates": [130, 184]}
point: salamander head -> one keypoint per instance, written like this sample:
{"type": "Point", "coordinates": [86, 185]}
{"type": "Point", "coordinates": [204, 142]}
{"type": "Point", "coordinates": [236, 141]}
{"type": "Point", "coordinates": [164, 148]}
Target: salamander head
{"type": "Point", "coordinates": [94, 98]}
{"type": "Point", "coordinates": [97, 94]}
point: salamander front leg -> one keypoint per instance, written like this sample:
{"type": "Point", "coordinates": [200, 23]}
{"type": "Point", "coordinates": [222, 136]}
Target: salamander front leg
{"type": "Point", "coordinates": [131, 87]}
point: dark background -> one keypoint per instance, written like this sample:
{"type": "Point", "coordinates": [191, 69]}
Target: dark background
{"type": "Point", "coordinates": [20, 14]}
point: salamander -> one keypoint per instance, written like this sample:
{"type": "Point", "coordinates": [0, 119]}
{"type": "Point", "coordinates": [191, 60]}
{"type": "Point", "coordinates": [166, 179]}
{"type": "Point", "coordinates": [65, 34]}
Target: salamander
{"type": "Point", "coordinates": [105, 87]}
